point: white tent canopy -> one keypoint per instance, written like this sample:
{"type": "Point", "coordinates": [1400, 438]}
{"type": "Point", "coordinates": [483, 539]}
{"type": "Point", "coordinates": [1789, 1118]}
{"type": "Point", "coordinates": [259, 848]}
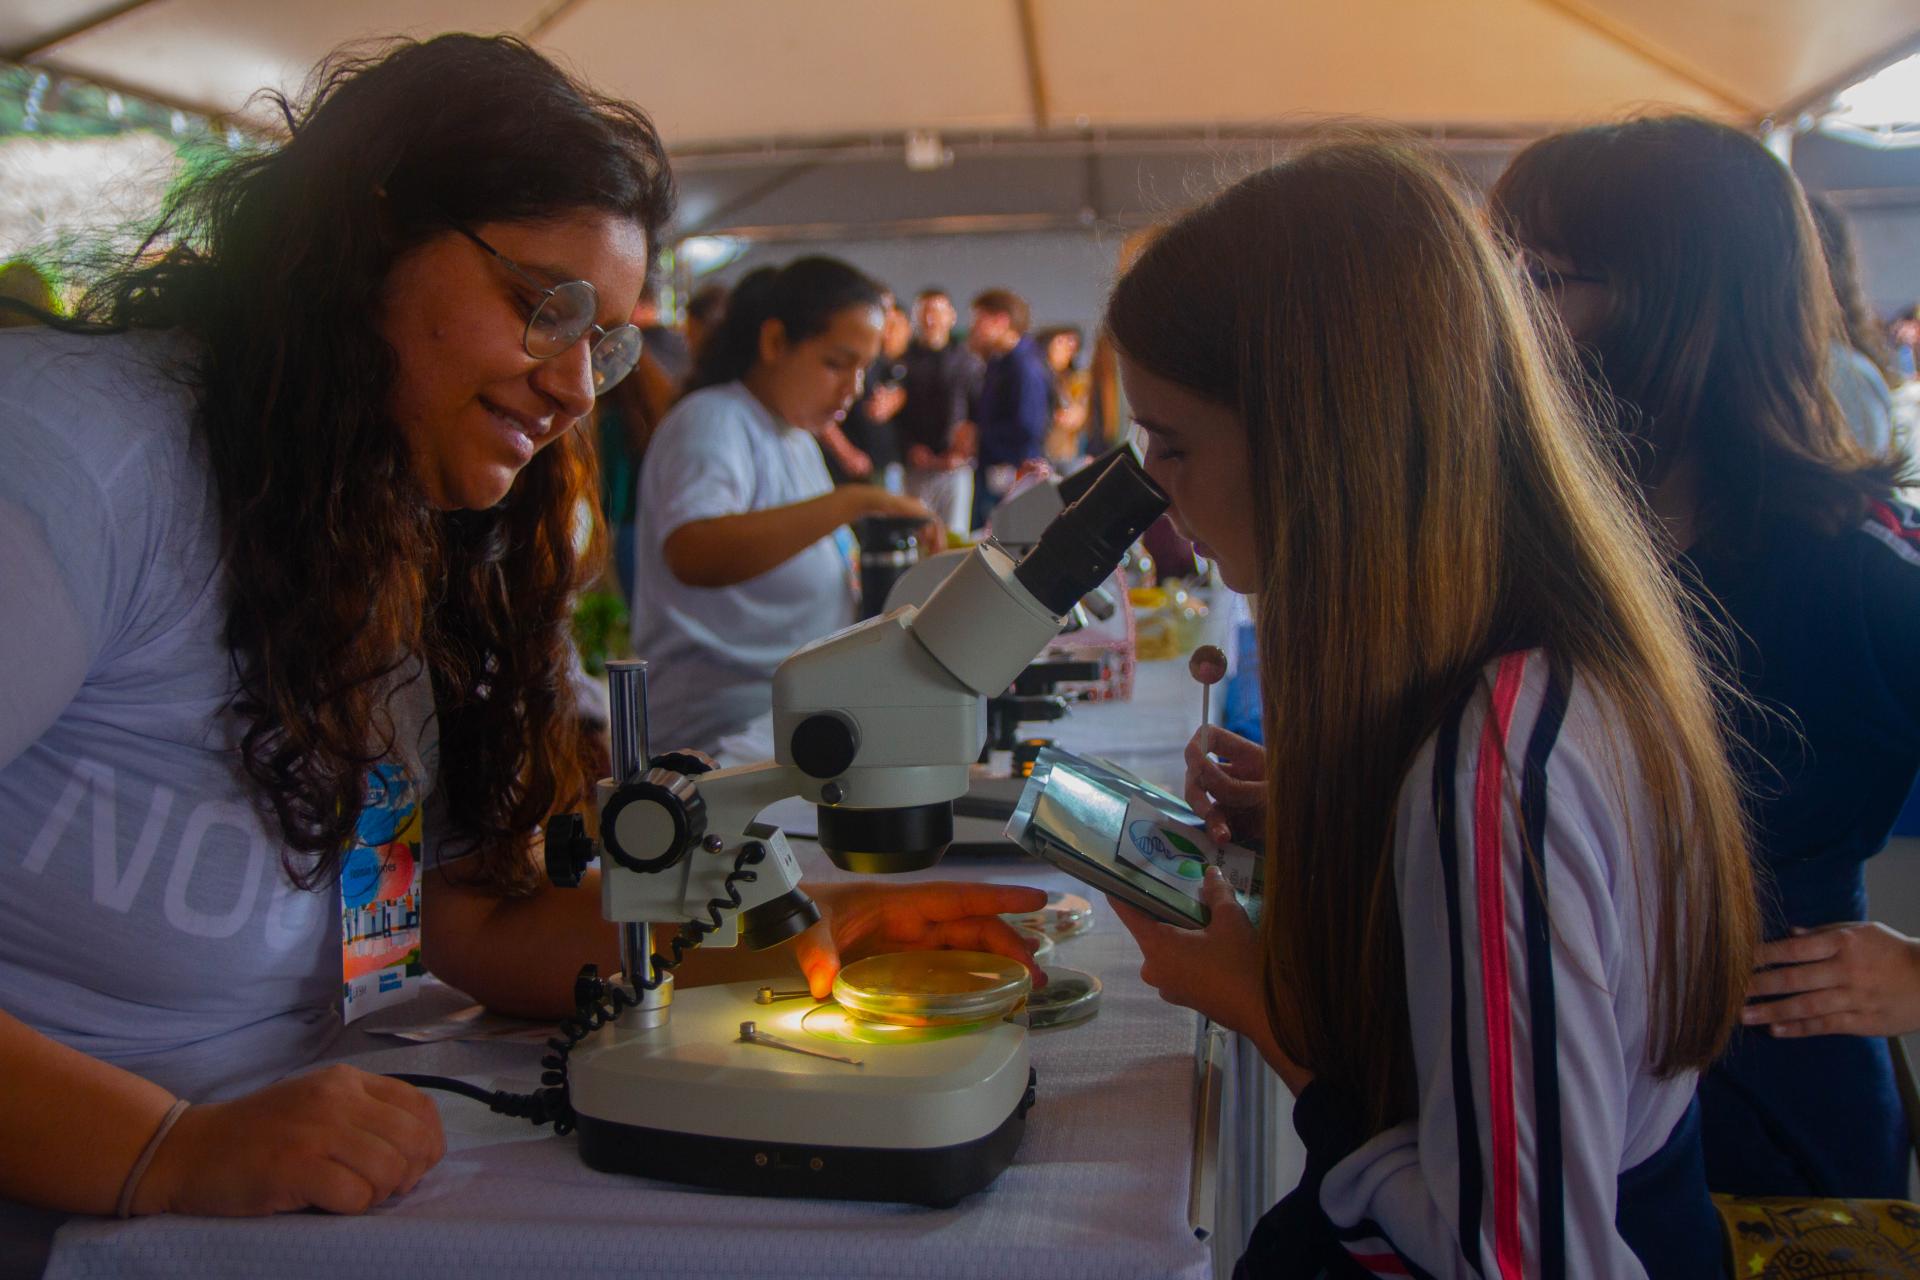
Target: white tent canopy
{"type": "Point", "coordinates": [727, 75]}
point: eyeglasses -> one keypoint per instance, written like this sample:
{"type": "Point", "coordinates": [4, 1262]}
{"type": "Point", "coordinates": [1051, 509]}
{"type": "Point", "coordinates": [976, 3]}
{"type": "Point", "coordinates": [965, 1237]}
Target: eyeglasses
{"type": "Point", "coordinates": [563, 316]}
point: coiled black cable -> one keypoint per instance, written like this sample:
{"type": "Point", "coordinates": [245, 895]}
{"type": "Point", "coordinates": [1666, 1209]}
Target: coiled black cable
{"type": "Point", "coordinates": [552, 1103]}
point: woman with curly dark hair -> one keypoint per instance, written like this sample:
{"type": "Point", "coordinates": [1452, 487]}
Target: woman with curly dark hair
{"type": "Point", "coordinates": [290, 517]}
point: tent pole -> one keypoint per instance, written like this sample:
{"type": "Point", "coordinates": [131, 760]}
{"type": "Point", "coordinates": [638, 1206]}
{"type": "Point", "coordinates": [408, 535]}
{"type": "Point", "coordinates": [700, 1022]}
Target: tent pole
{"type": "Point", "coordinates": [1611, 30]}
{"type": "Point", "coordinates": [1036, 73]}
{"type": "Point", "coordinates": [113, 13]}
{"type": "Point", "coordinates": [1820, 93]}
{"type": "Point", "coordinates": [547, 18]}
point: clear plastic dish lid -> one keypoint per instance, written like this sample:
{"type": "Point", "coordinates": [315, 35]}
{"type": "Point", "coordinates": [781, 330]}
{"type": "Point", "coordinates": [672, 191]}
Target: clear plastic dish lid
{"type": "Point", "coordinates": [931, 988]}
{"type": "Point", "coordinates": [1069, 997]}
{"type": "Point", "coordinates": [1065, 916]}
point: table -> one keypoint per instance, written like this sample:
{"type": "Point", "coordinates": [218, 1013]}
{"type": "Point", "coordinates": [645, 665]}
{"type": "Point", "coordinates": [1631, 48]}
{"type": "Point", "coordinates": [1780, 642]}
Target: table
{"type": "Point", "coordinates": [1100, 1187]}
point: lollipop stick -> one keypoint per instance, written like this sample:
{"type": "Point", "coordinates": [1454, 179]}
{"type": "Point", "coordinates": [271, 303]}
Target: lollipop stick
{"type": "Point", "coordinates": [1208, 665]}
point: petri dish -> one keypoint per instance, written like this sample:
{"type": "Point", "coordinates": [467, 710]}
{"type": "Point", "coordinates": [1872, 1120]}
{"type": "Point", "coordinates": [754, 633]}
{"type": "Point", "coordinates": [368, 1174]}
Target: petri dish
{"type": "Point", "coordinates": [931, 988]}
{"type": "Point", "coordinates": [833, 1024]}
{"type": "Point", "coordinates": [1067, 915]}
{"type": "Point", "coordinates": [1069, 997]}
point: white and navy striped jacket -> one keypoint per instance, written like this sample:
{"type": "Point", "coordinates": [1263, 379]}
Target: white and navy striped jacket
{"type": "Point", "coordinates": [1544, 1146]}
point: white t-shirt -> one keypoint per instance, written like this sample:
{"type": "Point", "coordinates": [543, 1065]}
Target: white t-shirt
{"type": "Point", "coordinates": [712, 650]}
{"type": "Point", "coordinates": [1864, 399]}
{"type": "Point", "coordinates": [145, 918]}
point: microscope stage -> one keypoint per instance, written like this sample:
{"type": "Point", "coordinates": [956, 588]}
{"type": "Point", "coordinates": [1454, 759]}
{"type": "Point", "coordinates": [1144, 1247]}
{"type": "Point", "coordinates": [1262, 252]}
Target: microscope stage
{"type": "Point", "coordinates": [926, 1120]}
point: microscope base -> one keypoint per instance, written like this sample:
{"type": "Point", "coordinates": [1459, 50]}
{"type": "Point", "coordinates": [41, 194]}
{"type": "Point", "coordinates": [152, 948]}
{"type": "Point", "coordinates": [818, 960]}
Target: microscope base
{"type": "Point", "coordinates": [927, 1120]}
{"type": "Point", "coordinates": [938, 1178]}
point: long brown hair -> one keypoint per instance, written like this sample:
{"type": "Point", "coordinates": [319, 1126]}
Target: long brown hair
{"type": "Point", "coordinates": [1426, 500]}
{"type": "Point", "coordinates": [338, 574]}
{"type": "Point", "coordinates": [1716, 341]}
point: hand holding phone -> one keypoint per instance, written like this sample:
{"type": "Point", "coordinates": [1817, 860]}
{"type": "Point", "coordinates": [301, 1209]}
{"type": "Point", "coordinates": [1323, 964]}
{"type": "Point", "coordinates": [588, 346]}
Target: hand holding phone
{"type": "Point", "coordinates": [1134, 842]}
{"type": "Point", "coordinates": [1215, 970]}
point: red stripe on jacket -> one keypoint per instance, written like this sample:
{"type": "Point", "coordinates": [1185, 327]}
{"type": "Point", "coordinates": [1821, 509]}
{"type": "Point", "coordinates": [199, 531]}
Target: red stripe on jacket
{"type": "Point", "coordinates": [1495, 983]}
{"type": "Point", "coordinates": [1886, 515]}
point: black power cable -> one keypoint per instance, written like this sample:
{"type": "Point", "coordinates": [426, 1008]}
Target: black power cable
{"type": "Point", "coordinates": [551, 1103]}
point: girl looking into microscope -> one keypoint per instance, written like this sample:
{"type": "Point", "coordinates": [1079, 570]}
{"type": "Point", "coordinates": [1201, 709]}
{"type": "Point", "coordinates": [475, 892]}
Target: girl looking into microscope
{"type": "Point", "coordinates": [289, 516]}
{"type": "Point", "coordinates": [1508, 913]}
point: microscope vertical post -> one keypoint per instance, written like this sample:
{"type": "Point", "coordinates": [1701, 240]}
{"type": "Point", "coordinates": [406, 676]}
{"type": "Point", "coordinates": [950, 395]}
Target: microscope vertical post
{"type": "Point", "coordinates": [627, 689]}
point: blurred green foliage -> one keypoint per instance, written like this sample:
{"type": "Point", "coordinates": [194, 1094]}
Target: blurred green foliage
{"type": "Point", "coordinates": [600, 629]}
{"type": "Point", "coordinates": [35, 103]}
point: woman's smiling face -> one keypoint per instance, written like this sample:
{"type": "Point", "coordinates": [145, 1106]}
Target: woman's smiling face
{"type": "Point", "coordinates": [473, 405]}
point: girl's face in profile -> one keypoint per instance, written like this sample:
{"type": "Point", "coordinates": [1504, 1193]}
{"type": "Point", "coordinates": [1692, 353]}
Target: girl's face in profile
{"type": "Point", "coordinates": [812, 383]}
{"type": "Point", "coordinates": [1196, 450]}
{"type": "Point", "coordinates": [473, 405]}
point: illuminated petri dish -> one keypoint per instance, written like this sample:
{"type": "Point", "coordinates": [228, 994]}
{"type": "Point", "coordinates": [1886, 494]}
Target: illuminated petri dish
{"type": "Point", "coordinates": [1069, 997]}
{"type": "Point", "coordinates": [831, 1023]}
{"type": "Point", "coordinates": [931, 988]}
{"type": "Point", "coordinates": [1066, 916]}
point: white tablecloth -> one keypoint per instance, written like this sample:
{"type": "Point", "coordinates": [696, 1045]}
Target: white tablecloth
{"type": "Point", "coordinates": [1099, 1188]}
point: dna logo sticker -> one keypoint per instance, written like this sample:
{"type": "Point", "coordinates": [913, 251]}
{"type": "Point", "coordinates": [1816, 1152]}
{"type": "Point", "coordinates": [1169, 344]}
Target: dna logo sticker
{"type": "Point", "coordinates": [1171, 855]}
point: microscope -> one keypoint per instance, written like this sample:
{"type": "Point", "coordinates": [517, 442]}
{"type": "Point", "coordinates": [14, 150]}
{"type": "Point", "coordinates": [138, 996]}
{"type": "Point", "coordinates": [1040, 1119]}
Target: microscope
{"type": "Point", "coordinates": [878, 726]}
{"type": "Point", "coordinates": [1035, 696]}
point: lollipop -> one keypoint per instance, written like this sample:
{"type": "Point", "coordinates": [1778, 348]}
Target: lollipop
{"type": "Point", "coordinates": [1208, 665]}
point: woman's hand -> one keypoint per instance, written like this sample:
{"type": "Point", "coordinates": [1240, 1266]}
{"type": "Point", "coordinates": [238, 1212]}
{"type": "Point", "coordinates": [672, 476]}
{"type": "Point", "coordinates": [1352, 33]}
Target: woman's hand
{"type": "Point", "coordinates": [1216, 971]}
{"type": "Point", "coordinates": [861, 919]}
{"type": "Point", "coordinates": [1229, 794]}
{"type": "Point", "coordinates": [875, 501]}
{"type": "Point", "coordinates": [337, 1139]}
{"type": "Point", "coordinates": [1840, 979]}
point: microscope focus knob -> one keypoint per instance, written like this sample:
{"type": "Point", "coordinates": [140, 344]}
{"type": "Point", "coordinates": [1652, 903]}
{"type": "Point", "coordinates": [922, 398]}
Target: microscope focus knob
{"type": "Point", "coordinates": [568, 849]}
{"type": "Point", "coordinates": [824, 744]}
{"type": "Point", "coordinates": [654, 821]}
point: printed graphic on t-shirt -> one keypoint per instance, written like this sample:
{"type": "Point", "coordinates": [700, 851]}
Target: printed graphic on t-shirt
{"type": "Point", "coordinates": [380, 897]}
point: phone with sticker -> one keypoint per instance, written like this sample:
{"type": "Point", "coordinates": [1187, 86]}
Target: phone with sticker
{"type": "Point", "coordinates": [1113, 831]}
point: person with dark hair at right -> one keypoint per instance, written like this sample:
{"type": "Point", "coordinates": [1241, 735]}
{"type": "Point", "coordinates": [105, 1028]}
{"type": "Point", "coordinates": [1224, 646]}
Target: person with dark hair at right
{"type": "Point", "coordinates": [1015, 405]}
{"type": "Point", "coordinates": [741, 558]}
{"type": "Point", "coordinates": [1680, 255]}
{"type": "Point", "coordinates": [1860, 368]}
